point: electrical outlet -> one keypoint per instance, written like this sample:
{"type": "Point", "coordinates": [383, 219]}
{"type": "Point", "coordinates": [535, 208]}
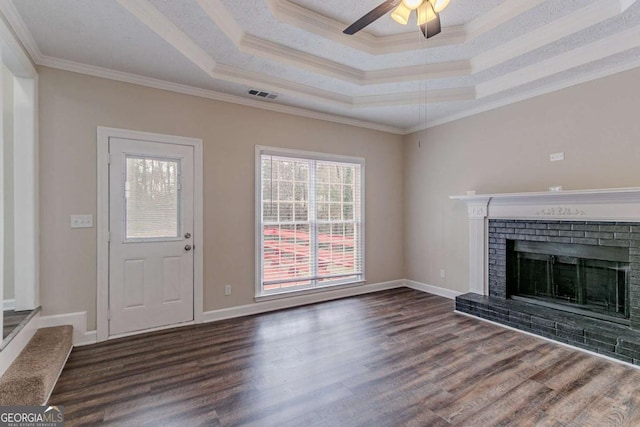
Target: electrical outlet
{"type": "Point", "coordinates": [443, 274]}
{"type": "Point", "coordinates": [227, 290]}
{"type": "Point", "coordinates": [556, 157]}
{"type": "Point", "coordinates": [81, 221]}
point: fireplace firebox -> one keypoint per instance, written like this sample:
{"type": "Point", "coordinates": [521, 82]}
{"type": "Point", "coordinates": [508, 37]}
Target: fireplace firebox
{"type": "Point", "coordinates": [583, 279]}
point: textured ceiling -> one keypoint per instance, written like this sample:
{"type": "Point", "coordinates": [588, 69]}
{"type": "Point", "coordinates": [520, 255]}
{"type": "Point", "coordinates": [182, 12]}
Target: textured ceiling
{"type": "Point", "coordinates": [490, 53]}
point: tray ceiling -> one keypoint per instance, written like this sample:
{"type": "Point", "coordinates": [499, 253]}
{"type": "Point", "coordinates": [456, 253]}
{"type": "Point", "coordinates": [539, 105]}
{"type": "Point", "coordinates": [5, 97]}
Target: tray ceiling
{"type": "Point", "coordinates": [490, 53]}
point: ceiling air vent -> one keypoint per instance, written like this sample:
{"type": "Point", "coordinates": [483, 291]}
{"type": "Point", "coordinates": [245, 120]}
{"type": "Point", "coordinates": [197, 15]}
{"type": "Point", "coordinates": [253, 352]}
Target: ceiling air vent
{"type": "Point", "coordinates": [263, 94]}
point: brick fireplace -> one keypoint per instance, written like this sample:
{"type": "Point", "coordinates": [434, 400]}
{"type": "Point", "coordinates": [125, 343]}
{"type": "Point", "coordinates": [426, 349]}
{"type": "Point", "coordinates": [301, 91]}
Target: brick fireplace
{"type": "Point", "coordinates": [562, 265]}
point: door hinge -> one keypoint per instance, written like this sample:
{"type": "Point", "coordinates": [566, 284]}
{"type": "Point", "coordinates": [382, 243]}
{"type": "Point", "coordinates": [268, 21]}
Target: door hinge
{"type": "Point", "coordinates": [109, 158]}
{"type": "Point", "coordinates": [108, 314]}
{"type": "Point", "coordinates": [108, 236]}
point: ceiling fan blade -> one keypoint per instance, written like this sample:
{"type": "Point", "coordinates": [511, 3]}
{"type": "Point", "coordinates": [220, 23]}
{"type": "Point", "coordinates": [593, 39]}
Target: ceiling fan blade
{"type": "Point", "coordinates": [432, 27]}
{"type": "Point", "coordinates": [372, 16]}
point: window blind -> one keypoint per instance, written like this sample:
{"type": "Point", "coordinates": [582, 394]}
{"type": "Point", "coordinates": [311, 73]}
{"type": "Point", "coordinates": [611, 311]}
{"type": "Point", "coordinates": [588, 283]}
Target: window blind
{"type": "Point", "coordinates": [310, 223]}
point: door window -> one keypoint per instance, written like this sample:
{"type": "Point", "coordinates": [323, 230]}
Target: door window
{"type": "Point", "coordinates": [152, 193]}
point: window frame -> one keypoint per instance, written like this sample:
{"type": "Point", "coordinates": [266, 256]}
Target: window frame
{"type": "Point", "coordinates": [261, 150]}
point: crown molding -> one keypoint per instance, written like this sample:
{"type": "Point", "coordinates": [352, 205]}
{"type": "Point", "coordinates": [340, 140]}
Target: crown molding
{"type": "Point", "coordinates": [146, 13]}
{"type": "Point", "coordinates": [547, 34]}
{"type": "Point", "coordinates": [249, 44]}
{"type": "Point", "coordinates": [225, 21]}
{"type": "Point", "coordinates": [161, 25]}
{"type": "Point", "coordinates": [23, 34]}
{"type": "Point", "coordinates": [418, 128]}
{"type": "Point", "coordinates": [497, 16]}
{"type": "Point", "coordinates": [307, 20]}
{"type": "Point", "coordinates": [220, 16]}
{"type": "Point", "coordinates": [614, 44]}
{"type": "Point", "coordinates": [139, 80]}
{"type": "Point", "coordinates": [311, 21]}
{"type": "Point", "coordinates": [584, 78]}
{"type": "Point", "coordinates": [603, 48]}
{"type": "Point", "coordinates": [267, 49]}
{"type": "Point", "coordinates": [416, 98]}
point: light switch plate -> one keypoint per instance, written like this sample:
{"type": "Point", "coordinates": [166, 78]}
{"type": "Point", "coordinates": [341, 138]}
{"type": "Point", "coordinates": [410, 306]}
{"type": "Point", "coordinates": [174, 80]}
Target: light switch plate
{"type": "Point", "coordinates": [81, 221]}
{"type": "Point", "coordinates": [556, 157]}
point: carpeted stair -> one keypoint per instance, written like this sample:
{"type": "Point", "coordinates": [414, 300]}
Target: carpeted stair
{"type": "Point", "coordinates": [31, 377]}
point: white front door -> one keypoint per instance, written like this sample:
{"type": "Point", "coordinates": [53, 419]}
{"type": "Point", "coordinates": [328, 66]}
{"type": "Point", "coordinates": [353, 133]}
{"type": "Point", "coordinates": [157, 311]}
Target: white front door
{"type": "Point", "coordinates": [151, 205]}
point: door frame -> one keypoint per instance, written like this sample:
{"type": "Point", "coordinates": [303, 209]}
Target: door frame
{"type": "Point", "coordinates": [102, 220]}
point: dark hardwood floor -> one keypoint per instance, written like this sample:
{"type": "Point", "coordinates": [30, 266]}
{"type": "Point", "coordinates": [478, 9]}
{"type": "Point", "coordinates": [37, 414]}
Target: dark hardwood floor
{"type": "Point", "coordinates": [393, 358]}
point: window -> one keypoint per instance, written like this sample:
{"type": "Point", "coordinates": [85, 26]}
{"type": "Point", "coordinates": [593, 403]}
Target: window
{"type": "Point", "coordinates": [152, 194]}
{"type": "Point", "coordinates": [310, 220]}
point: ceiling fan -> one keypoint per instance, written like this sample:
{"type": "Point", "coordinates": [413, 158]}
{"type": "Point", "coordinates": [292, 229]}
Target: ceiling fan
{"type": "Point", "coordinates": [428, 12]}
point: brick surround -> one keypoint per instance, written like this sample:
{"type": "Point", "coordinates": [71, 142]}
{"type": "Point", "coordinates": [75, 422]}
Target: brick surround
{"type": "Point", "coordinates": [586, 233]}
{"type": "Point", "coordinates": [607, 338]}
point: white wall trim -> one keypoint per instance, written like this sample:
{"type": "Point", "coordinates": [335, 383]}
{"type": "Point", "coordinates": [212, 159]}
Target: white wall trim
{"type": "Point", "coordinates": [298, 16]}
{"type": "Point", "coordinates": [603, 48]}
{"type": "Point", "coordinates": [289, 12]}
{"type": "Point", "coordinates": [554, 31]}
{"type": "Point", "coordinates": [295, 301]}
{"type": "Point", "coordinates": [21, 30]}
{"type": "Point", "coordinates": [18, 343]}
{"type": "Point", "coordinates": [120, 76]}
{"type": "Point", "coordinates": [9, 305]}
{"type": "Point", "coordinates": [247, 43]}
{"type": "Point", "coordinates": [610, 204]}
{"type": "Point", "coordinates": [435, 290]}
{"type": "Point", "coordinates": [26, 195]}
{"type": "Point", "coordinates": [79, 322]}
{"type": "Point", "coordinates": [147, 14]}
{"type": "Point", "coordinates": [13, 54]}
{"type": "Point", "coordinates": [573, 81]}
{"type": "Point", "coordinates": [102, 218]}
{"type": "Point", "coordinates": [84, 337]}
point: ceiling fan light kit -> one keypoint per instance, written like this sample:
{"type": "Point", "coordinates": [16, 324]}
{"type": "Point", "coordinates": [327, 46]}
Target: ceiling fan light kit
{"type": "Point", "coordinates": [428, 12]}
{"type": "Point", "coordinates": [439, 5]}
{"type": "Point", "coordinates": [401, 14]}
{"type": "Point", "coordinates": [425, 14]}
{"type": "Point", "coordinates": [412, 4]}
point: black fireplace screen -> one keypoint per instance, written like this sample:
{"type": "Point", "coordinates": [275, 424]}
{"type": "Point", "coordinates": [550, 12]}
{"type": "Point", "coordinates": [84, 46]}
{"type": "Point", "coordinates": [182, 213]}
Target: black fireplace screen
{"type": "Point", "coordinates": [579, 278]}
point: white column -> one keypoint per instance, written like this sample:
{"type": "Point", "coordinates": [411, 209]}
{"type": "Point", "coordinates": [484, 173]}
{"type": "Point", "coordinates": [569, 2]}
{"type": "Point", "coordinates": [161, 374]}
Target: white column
{"type": "Point", "coordinates": [1, 209]}
{"type": "Point", "coordinates": [478, 209]}
{"type": "Point", "coordinates": [26, 194]}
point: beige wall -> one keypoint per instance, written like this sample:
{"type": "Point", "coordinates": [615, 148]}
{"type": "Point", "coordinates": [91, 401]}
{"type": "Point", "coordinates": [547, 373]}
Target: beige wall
{"type": "Point", "coordinates": [72, 106]}
{"type": "Point", "coordinates": [595, 124]}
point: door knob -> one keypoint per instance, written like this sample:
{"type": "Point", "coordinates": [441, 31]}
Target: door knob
{"type": "Point", "coordinates": [187, 235]}
{"type": "Point", "coordinates": [188, 248]}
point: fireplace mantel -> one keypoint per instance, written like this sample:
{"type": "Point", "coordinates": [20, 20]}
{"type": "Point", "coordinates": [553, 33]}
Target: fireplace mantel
{"type": "Point", "coordinates": [616, 205]}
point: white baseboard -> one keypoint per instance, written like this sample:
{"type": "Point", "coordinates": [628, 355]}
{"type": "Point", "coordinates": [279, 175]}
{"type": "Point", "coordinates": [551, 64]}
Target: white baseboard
{"type": "Point", "coordinates": [83, 337]}
{"type": "Point", "coordinates": [8, 305]}
{"type": "Point", "coordinates": [18, 343]}
{"type": "Point", "coordinates": [79, 322]}
{"type": "Point", "coordinates": [436, 290]}
{"type": "Point", "coordinates": [295, 301]}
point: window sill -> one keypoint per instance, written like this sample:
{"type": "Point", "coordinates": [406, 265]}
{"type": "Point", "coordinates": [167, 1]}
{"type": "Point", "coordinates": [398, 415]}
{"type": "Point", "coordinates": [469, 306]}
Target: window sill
{"type": "Point", "coordinates": [294, 293]}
